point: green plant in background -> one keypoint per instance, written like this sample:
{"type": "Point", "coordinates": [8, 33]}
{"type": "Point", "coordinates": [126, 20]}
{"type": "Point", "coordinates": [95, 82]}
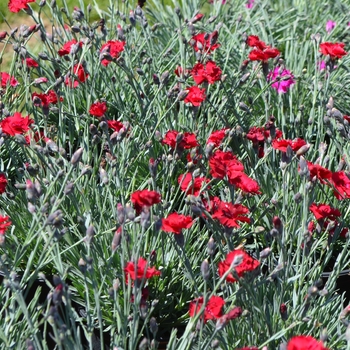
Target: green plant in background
{"type": "Point", "coordinates": [174, 176]}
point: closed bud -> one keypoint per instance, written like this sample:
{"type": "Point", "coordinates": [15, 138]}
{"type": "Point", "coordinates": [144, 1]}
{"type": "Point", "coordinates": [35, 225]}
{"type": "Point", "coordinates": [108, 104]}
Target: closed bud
{"type": "Point", "coordinates": [145, 217]}
{"type": "Point", "coordinates": [205, 270]}
{"type": "Point", "coordinates": [90, 233]}
{"type": "Point", "coordinates": [283, 312]}
{"type": "Point", "coordinates": [302, 150]}
{"type": "Point", "coordinates": [103, 176]}
{"type": "Point", "coordinates": [144, 344]}
{"type": "Point", "coordinates": [153, 326]}
{"type": "Point", "coordinates": [55, 219]}
{"type": "Point", "coordinates": [77, 156]}
{"type": "Point", "coordinates": [211, 246]}
{"type": "Point", "coordinates": [130, 213]}
{"type": "Point", "coordinates": [265, 253]}
{"type": "Point", "coordinates": [164, 78]}
{"type": "Point", "coordinates": [69, 189]}
{"type": "Point", "coordinates": [82, 265]}
{"type": "Point", "coordinates": [120, 213]}
{"type": "Point", "coordinates": [87, 169]}
{"type": "Point", "coordinates": [182, 95]}
{"type": "Point", "coordinates": [116, 239]}
{"type": "Point", "coordinates": [30, 345]}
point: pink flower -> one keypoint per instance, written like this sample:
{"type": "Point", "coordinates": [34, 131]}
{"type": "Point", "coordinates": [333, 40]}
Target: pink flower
{"type": "Point", "coordinates": [249, 4]}
{"type": "Point", "coordinates": [285, 77]}
{"type": "Point", "coordinates": [330, 25]}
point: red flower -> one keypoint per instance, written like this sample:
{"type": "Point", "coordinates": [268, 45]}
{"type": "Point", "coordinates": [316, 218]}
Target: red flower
{"type": "Point", "coordinates": [341, 184]}
{"type": "Point", "coordinates": [144, 198]}
{"type": "Point", "coordinates": [6, 79]}
{"type": "Point", "coordinates": [229, 214]}
{"type": "Point", "coordinates": [3, 183]}
{"type": "Point", "coordinates": [254, 41]}
{"type": "Point", "coordinates": [210, 73]}
{"type": "Point", "coordinates": [246, 264]}
{"type": "Point", "coordinates": [81, 75]}
{"type": "Point", "coordinates": [282, 145]}
{"type": "Point", "coordinates": [185, 140]}
{"type": "Point", "coordinates": [263, 55]}
{"type": "Point", "coordinates": [216, 137]}
{"type": "Point", "coordinates": [98, 109]}
{"type": "Point", "coordinates": [114, 48]}
{"type": "Point", "coordinates": [16, 124]}
{"type": "Point", "coordinates": [334, 50]}
{"type": "Point", "coordinates": [195, 96]}
{"type": "Point", "coordinates": [65, 50]}
{"type": "Point", "coordinates": [4, 224]}
{"type": "Point", "coordinates": [212, 311]}
{"type": "Point", "coordinates": [17, 5]}
{"type": "Point", "coordinates": [191, 185]}
{"type": "Point", "coordinates": [243, 182]}
{"type": "Point", "coordinates": [198, 73]}
{"type": "Point", "coordinates": [305, 342]}
{"type": "Point", "coordinates": [45, 99]}
{"type": "Point", "coordinates": [323, 211]}
{"type": "Point", "coordinates": [140, 270]}
{"type": "Point", "coordinates": [31, 63]}
{"type": "Point", "coordinates": [256, 135]}
{"type": "Point", "coordinates": [321, 173]}
{"type": "Point", "coordinates": [115, 125]}
{"type": "Point", "coordinates": [204, 45]}
{"type": "Point", "coordinates": [221, 161]}
{"type": "Point", "coordinates": [176, 223]}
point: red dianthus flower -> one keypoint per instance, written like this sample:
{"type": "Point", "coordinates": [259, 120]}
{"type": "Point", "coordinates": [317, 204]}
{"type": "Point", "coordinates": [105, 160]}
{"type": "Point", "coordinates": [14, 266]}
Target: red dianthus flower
{"type": "Point", "coordinates": [334, 50]}
{"type": "Point", "coordinates": [243, 261]}
{"type": "Point", "coordinates": [144, 198]}
{"type": "Point", "coordinates": [18, 5]}
{"type": "Point", "coordinates": [305, 342]}
{"type": "Point", "coordinates": [98, 109]}
{"type": "Point", "coordinates": [195, 96]}
{"type": "Point", "coordinates": [114, 48]}
{"type": "Point", "coordinates": [212, 311]}
{"type": "Point", "coordinates": [175, 223]}
{"type": "Point", "coordinates": [16, 124]}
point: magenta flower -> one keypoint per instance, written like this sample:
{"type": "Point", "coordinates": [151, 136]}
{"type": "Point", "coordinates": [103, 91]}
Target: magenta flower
{"type": "Point", "coordinates": [330, 26]}
{"type": "Point", "coordinates": [249, 4]}
{"type": "Point", "coordinates": [322, 65]}
{"type": "Point", "coordinates": [285, 79]}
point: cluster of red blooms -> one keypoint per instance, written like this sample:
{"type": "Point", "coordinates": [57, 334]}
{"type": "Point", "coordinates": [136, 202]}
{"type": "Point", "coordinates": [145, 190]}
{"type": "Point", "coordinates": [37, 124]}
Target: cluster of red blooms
{"type": "Point", "coordinates": [259, 135]}
{"type": "Point", "coordinates": [338, 180]}
{"type": "Point", "coordinates": [98, 109]}
{"type": "Point", "coordinates": [261, 51]}
{"type": "Point", "coordinates": [208, 72]}
{"type": "Point", "coordinates": [326, 217]}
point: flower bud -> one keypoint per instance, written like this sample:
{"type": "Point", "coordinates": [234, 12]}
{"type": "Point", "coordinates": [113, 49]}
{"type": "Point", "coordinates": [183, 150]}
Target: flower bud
{"type": "Point", "coordinates": [116, 239]}
{"type": "Point", "coordinates": [153, 326]}
{"type": "Point", "coordinates": [77, 156]}
{"type": "Point", "coordinates": [205, 270]}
